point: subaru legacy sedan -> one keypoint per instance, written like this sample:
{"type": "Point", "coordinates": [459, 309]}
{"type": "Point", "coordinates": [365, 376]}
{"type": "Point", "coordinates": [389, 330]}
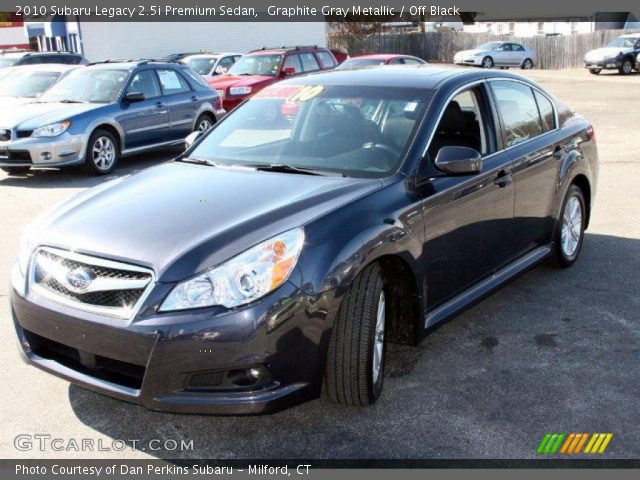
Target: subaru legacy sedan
{"type": "Point", "coordinates": [327, 216]}
{"type": "Point", "coordinates": [100, 113]}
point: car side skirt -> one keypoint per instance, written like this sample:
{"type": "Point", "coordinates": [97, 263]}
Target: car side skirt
{"type": "Point", "coordinates": [485, 287]}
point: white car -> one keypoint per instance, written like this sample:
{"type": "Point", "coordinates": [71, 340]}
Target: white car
{"type": "Point", "coordinates": [22, 85]}
{"type": "Point", "coordinates": [497, 54]}
{"type": "Point", "coordinates": [211, 64]}
{"type": "Point", "coordinates": [620, 54]}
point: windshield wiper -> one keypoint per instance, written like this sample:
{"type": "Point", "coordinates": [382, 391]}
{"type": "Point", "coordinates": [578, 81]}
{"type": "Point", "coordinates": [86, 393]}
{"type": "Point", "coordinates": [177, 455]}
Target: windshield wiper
{"type": "Point", "coordinates": [66, 100]}
{"type": "Point", "coordinates": [283, 168]}
{"type": "Point", "coordinates": [200, 161]}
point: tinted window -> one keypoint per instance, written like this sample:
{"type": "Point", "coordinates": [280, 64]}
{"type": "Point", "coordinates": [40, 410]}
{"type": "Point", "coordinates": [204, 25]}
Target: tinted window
{"type": "Point", "coordinates": [546, 111]}
{"type": "Point", "coordinates": [145, 82]}
{"type": "Point", "coordinates": [202, 65]}
{"type": "Point", "coordinates": [505, 47]}
{"type": "Point", "coordinates": [398, 61]}
{"type": "Point", "coordinates": [256, 65]}
{"type": "Point", "coordinates": [172, 82]}
{"type": "Point", "coordinates": [326, 59]}
{"type": "Point", "coordinates": [293, 61]}
{"type": "Point", "coordinates": [517, 48]}
{"type": "Point", "coordinates": [226, 63]}
{"type": "Point", "coordinates": [518, 111]}
{"type": "Point", "coordinates": [309, 62]}
{"type": "Point", "coordinates": [412, 61]}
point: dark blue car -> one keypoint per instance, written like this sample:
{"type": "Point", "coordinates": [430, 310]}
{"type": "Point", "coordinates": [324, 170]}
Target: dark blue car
{"type": "Point", "coordinates": [105, 111]}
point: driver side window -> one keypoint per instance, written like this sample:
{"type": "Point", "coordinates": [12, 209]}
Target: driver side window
{"type": "Point", "coordinates": [462, 125]}
{"type": "Point", "coordinates": [145, 82]}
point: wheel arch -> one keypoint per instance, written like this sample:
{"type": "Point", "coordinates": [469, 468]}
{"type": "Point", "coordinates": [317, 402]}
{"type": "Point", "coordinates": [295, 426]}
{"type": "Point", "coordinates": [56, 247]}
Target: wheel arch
{"type": "Point", "coordinates": [582, 182]}
{"type": "Point", "coordinates": [113, 130]}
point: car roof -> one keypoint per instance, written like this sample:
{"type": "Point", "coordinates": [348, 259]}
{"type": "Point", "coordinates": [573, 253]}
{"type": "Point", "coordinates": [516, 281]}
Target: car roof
{"type": "Point", "coordinates": [45, 67]}
{"type": "Point", "coordinates": [422, 76]}
{"type": "Point", "coordinates": [14, 54]}
{"type": "Point", "coordinates": [212, 54]}
{"type": "Point", "coordinates": [131, 64]}
{"type": "Point", "coordinates": [283, 50]}
{"type": "Point", "coordinates": [630, 35]}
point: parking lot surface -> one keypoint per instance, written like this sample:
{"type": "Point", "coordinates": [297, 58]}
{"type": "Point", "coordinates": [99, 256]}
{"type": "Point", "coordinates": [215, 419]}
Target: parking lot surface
{"type": "Point", "coordinates": [555, 351]}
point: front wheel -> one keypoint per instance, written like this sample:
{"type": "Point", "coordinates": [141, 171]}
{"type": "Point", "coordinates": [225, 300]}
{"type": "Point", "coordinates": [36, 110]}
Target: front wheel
{"type": "Point", "coordinates": [102, 153]}
{"type": "Point", "coordinates": [487, 62]}
{"type": "Point", "coordinates": [16, 170]}
{"type": "Point", "coordinates": [355, 360]}
{"type": "Point", "coordinates": [569, 233]}
{"type": "Point", "coordinates": [595, 71]}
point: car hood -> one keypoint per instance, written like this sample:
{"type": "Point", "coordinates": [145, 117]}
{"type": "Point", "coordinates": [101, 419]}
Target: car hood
{"type": "Point", "coordinates": [601, 53]}
{"type": "Point", "coordinates": [471, 52]}
{"type": "Point", "coordinates": [34, 115]}
{"type": "Point", "coordinates": [8, 102]}
{"type": "Point", "coordinates": [226, 81]}
{"type": "Point", "coordinates": [179, 218]}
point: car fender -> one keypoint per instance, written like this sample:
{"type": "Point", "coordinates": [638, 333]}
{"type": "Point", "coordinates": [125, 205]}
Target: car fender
{"type": "Point", "coordinates": [204, 107]}
{"type": "Point", "coordinates": [104, 120]}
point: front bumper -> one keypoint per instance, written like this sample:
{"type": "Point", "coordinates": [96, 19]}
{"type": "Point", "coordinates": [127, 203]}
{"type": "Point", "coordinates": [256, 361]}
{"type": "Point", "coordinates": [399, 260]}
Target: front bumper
{"type": "Point", "coordinates": [473, 61]}
{"type": "Point", "coordinates": [153, 359]}
{"type": "Point", "coordinates": [609, 64]}
{"type": "Point", "coordinates": [63, 150]}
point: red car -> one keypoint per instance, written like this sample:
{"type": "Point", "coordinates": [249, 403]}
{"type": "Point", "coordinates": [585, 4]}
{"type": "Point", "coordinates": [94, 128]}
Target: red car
{"type": "Point", "coordinates": [257, 69]}
{"type": "Point", "coordinates": [380, 59]}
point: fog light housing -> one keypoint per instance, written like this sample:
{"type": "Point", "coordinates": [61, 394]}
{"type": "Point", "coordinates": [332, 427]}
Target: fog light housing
{"type": "Point", "coordinates": [46, 156]}
{"type": "Point", "coordinates": [251, 378]}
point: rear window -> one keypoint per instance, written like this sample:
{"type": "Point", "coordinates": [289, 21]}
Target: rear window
{"type": "Point", "coordinates": [327, 59]}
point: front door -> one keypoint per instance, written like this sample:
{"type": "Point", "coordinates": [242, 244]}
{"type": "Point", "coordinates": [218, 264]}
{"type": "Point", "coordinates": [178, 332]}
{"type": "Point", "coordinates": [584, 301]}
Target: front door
{"type": "Point", "coordinates": [146, 122]}
{"type": "Point", "coordinates": [468, 219]}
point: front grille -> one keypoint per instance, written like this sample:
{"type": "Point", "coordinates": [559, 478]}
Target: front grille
{"type": "Point", "coordinates": [109, 369]}
{"type": "Point", "coordinates": [89, 283]}
{"type": "Point", "coordinates": [19, 156]}
{"type": "Point", "coordinates": [5, 134]}
{"type": "Point", "coordinates": [23, 133]}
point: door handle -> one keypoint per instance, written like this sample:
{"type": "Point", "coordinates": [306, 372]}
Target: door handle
{"type": "Point", "coordinates": [194, 99]}
{"type": "Point", "coordinates": [558, 153]}
{"type": "Point", "coordinates": [503, 178]}
{"type": "Point", "coordinates": [159, 104]}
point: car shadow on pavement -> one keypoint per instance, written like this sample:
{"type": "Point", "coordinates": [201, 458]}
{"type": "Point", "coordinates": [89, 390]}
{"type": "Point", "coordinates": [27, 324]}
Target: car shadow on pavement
{"type": "Point", "coordinates": [556, 350]}
{"type": "Point", "coordinates": [76, 177]}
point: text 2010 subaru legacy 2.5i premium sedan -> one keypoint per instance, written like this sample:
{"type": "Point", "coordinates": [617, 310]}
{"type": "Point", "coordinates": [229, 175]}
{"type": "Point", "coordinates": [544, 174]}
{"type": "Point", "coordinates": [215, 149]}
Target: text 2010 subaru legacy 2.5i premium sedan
{"type": "Point", "coordinates": [99, 113]}
{"type": "Point", "coordinates": [326, 216]}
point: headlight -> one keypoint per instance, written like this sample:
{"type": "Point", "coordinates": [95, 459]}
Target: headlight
{"type": "Point", "coordinates": [239, 90]}
{"type": "Point", "coordinates": [478, 54]}
{"type": "Point", "coordinates": [52, 130]}
{"type": "Point", "coordinates": [243, 279]}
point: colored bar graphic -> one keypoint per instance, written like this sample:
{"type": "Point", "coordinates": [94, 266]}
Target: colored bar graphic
{"type": "Point", "coordinates": [572, 443]}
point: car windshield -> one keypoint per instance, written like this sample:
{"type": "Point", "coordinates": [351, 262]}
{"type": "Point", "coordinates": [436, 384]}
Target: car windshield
{"type": "Point", "coordinates": [87, 85]}
{"type": "Point", "coordinates": [621, 42]}
{"type": "Point", "coordinates": [489, 46]}
{"type": "Point", "coordinates": [27, 84]}
{"type": "Point", "coordinates": [202, 65]}
{"type": "Point", "coordinates": [256, 65]}
{"type": "Point", "coordinates": [359, 63]}
{"type": "Point", "coordinates": [353, 131]}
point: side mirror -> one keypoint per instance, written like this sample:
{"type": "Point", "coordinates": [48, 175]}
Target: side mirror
{"type": "Point", "coordinates": [288, 71]}
{"type": "Point", "coordinates": [133, 97]}
{"type": "Point", "coordinates": [191, 138]}
{"type": "Point", "coordinates": [459, 161]}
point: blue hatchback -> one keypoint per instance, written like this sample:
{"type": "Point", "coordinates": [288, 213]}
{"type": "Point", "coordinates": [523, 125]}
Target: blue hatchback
{"type": "Point", "coordinates": [102, 112]}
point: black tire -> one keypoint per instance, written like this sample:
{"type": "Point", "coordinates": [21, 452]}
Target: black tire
{"type": "Point", "coordinates": [559, 258]}
{"type": "Point", "coordinates": [349, 374]}
{"type": "Point", "coordinates": [626, 68]}
{"type": "Point", "coordinates": [487, 62]}
{"type": "Point", "coordinates": [16, 170]}
{"type": "Point", "coordinates": [202, 120]}
{"type": "Point", "coordinates": [92, 164]}
{"type": "Point", "coordinates": [595, 71]}
{"type": "Point", "coordinates": [527, 64]}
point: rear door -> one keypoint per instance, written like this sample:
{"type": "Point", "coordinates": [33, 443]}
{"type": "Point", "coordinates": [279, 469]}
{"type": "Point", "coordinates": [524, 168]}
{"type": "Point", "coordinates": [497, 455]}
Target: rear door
{"type": "Point", "coordinates": [531, 136]}
{"type": "Point", "coordinates": [502, 55]}
{"type": "Point", "coordinates": [181, 100]}
{"type": "Point", "coordinates": [146, 122]}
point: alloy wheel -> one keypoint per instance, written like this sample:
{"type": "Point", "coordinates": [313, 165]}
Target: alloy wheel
{"type": "Point", "coordinates": [378, 338]}
{"type": "Point", "coordinates": [104, 153]}
{"type": "Point", "coordinates": [571, 232]}
{"type": "Point", "coordinates": [204, 125]}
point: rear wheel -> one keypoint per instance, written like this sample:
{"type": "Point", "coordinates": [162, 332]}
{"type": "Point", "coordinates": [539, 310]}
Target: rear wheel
{"type": "Point", "coordinates": [626, 68]}
{"type": "Point", "coordinates": [203, 123]}
{"type": "Point", "coordinates": [487, 62]}
{"type": "Point", "coordinates": [16, 170]}
{"type": "Point", "coordinates": [102, 153]}
{"type": "Point", "coordinates": [355, 360]}
{"type": "Point", "coordinates": [595, 71]}
{"type": "Point", "coordinates": [569, 233]}
{"type": "Point", "coordinates": [527, 64]}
